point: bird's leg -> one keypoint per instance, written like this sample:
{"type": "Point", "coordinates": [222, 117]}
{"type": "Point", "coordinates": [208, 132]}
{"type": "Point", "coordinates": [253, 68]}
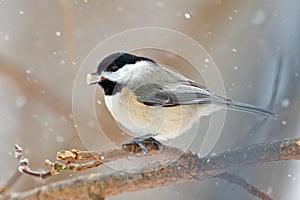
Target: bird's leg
{"type": "Point", "coordinates": [141, 140]}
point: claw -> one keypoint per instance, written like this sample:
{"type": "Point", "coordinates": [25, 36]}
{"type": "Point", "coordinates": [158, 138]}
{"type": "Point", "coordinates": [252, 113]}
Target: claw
{"type": "Point", "coordinates": [159, 145]}
{"type": "Point", "coordinates": [143, 149]}
{"type": "Point", "coordinates": [140, 141]}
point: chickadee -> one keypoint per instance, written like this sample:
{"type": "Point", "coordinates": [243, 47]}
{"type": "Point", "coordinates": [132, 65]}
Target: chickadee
{"type": "Point", "coordinates": [152, 101]}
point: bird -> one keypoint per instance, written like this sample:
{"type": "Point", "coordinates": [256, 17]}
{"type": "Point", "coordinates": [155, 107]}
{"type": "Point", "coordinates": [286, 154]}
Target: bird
{"type": "Point", "coordinates": [155, 102]}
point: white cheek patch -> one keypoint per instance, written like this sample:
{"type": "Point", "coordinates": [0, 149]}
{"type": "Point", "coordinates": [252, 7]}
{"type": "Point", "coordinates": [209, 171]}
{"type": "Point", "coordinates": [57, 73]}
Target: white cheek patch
{"type": "Point", "coordinates": [126, 72]}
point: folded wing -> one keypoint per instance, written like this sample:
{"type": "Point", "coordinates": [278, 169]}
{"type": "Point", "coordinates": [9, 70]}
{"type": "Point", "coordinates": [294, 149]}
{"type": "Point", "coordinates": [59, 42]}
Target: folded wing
{"type": "Point", "coordinates": [187, 93]}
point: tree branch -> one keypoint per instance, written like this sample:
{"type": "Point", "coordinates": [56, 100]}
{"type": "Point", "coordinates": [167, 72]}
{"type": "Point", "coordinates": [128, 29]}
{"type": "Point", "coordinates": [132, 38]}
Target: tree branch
{"type": "Point", "coordinates": [187, 167]}
{"type": "Point", "coordinates": [10, 182]}
{"type": "Point", "coordinates": [232, 178]}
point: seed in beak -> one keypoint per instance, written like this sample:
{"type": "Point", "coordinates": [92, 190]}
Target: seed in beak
{"type": "Point", "coordinates": [93, 78]}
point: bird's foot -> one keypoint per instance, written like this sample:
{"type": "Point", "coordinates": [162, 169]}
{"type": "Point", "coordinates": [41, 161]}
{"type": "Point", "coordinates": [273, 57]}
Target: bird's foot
{"type": "Point", "coordinates": [142, 142]}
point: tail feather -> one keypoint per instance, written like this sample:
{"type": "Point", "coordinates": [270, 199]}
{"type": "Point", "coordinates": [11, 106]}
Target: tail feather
{"type": "Point", "coordinates": [249, 108]}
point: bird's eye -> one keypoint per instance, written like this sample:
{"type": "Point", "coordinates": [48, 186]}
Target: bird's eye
{"type": "Point", "coordinates": [112, 68]}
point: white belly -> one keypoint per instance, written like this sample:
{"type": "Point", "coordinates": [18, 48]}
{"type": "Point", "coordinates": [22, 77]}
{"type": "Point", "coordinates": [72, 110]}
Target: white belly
{"type": "Point", "coordinates": [164, 122]}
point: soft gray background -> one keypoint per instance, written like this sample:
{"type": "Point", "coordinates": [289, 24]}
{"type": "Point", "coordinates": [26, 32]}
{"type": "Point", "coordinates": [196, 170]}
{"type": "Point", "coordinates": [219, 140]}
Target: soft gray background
{"type": "Point", "coordinates": [43, 43]}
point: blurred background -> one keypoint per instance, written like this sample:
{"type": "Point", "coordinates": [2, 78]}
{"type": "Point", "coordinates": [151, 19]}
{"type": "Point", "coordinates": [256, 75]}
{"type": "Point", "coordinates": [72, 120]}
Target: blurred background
{"type": "Point", "coordinates": [255, 45]}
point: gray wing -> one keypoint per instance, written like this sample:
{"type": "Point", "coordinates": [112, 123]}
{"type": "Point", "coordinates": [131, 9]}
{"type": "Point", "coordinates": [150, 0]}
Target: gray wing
{"type": "Point", "coordinates": [175, 94]}
{"type": "Point", "coordinates": [178, 90]}
{"type": "Point", "coordinates": [187, 93]}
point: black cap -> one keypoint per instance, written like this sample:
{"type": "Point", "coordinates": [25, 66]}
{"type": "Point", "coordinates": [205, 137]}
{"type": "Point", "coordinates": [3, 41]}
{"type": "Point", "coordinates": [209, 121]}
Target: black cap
{"type": "Point", "coordinates": [116, 61]}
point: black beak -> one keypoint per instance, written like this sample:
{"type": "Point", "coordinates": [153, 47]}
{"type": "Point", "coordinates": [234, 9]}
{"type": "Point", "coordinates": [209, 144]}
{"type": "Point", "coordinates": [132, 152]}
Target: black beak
{"type": "Point", "coordinates": [93, 78]}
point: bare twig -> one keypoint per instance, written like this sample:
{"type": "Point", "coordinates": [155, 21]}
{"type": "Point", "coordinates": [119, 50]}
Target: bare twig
{"type": "Point", "coordinates": [66, 9]}
{"type": "Point", "coordinates": [10, 182]}
{"type": "Point", "coordinates": [11, 70]}
{"type": "Point", "coordinates": [24, 164]}
{"type": "Point", "coordinates": [232, 178]}
{"type": "Point", "coordinates": [96, 158]}
{"type": "Point", "coordinates": [261, 121]}
{"type": "Point", "coordinates": [187, 167]}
